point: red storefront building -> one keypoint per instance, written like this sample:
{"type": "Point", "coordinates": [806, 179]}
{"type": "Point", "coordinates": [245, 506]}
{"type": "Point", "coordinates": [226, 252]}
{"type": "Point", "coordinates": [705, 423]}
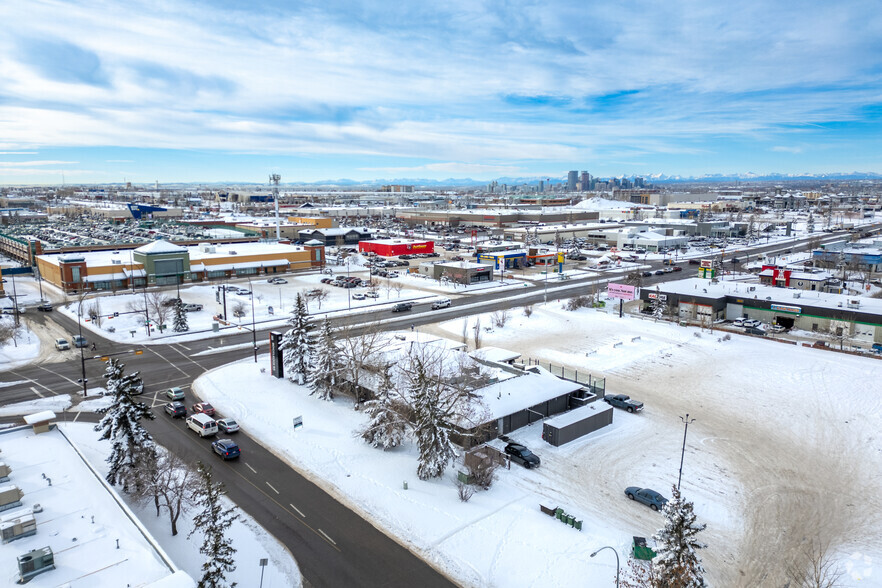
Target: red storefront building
{"type": "Point", "coordinates": [393, 247]}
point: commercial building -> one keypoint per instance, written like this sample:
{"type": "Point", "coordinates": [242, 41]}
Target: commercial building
{"type": "Point", "coordinates": [459, 272]}
{"type": "Point", "coordinates": [393, 247]}
{"type": "Point", "coordinates": [514, 258]}
{"type": "Point", "coordinates": [697, 299]}
{"type": "Point", "coordinates": [339, 236]}
{"type": "Point", "coordinates": [782, 277]}
{"type": "Point", "coordinates": [164, 263]}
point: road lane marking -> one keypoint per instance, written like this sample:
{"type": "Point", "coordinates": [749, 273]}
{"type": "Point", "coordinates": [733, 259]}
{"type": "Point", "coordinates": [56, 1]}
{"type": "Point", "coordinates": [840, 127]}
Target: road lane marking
{"type": "Point", "coordinates": [184, 346]}
{"type": "Point", "coordinates": [297, 509]}
{"type": "Point", "coordinates": [326, 537]}
{"type": "Point", "coordinates": [77, 416]}
{"type": "Point", "coordinates": [154, 352]}
{"type": "Point", "coordinates": [37, 392]}
{"type": "Point", "coordinates": [271, 488]}
{"type": "Point", "coordinates": [250, 468]}
{"type": "Point", "coordinates": [59, 375]}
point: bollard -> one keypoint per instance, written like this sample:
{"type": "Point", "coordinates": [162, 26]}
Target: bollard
{"type": "Point", "coordinates": [405, 485]}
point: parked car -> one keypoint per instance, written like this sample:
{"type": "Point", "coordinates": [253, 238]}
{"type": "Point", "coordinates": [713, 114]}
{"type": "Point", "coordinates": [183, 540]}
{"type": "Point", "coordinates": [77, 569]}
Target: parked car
{"type": "Point", "coordinates": [402, 307]}
{"type": "Point", "coordinates": [192, 307]}
{"type": "Point", "coordinates": [371, 294]}
{"type": "Point", "coordinates": [45, 307]}
{"type": "Point", "coordinates": [754, 331]}
{"type": "Point", "coordinates": [659, 272]}
{"type": "Point", "coordinates": [226, 448]}
{"type": "Point", "coordinates": [176, 409]}
{"type": "Point", "coordinates": [62, 344]}
{"type": "Point", "coordinates": [646, 274]}
{"type": "Point", "coordinates": [80, 341]}
{"type": "Point", "coordinates": [227, 425]}
{"type": "Point", "coordinates": [203, 407]}
{"type": "Point", "coordinates": [751, 323]}
{"type": "Point", "coordinates": [174, 393]}
{"type": "Point", "coordinates": [243, 292]}
{"type": "Point", "coordinates": [440, 304]}
{"type": "Point", "coordinates": [520, 454]}
{"type": "Point", "coordinates": [624, 401]}
{"type": "Point", "coordinates": [778, 328]}
{"type": "Point", "coordinates": [277, 281]}
{"type": "Point", "coordinates": [358, 296]}
{"type": "Point", "coordinates": [646, 496]}
{"type": "Point", "coordinates": [677, 268]}
{"type": "Point", "coordinates": [739, 322]}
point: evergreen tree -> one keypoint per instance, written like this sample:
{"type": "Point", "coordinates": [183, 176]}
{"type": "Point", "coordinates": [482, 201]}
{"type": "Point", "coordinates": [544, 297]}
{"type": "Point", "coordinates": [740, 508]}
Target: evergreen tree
{"type": "Point", "coordinates": [658, 307]}
{"type": "Point", "coordinates": [386, 427]}
{"type": "Point", "coordinates": [121, 424]}
{"type": "Point", "coordinates": [677, 564]}
{"type": "Point", "coordinates": [180, 320]}
{"type": "Point", "coordinates": [213, 521]}
{"type": "Point", "coordinates": [810, 224]}
{"type": "Point", "coordinates": [325, 364]}
{"type": "Point", "coordinates": [432, 433]}
{"type": "Point", "coordinates": [296, 345]}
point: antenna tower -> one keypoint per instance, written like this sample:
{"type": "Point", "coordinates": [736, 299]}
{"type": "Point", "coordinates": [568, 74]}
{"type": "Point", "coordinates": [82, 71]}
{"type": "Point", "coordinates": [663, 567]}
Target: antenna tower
{"type": "Point", "coordinates": [274, 180]}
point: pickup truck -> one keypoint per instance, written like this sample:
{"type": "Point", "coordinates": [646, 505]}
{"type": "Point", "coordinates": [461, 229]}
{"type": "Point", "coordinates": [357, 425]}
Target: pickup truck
{"type": "Point", "coordinates": [624, 401]}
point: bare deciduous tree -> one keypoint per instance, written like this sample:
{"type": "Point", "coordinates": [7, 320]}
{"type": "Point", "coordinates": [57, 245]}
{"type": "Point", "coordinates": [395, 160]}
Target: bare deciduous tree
{"type": "Point", "coordinates": [168, 482]}
{"type": "Point", "coordinates": [94, 312]}
{"type": "Point", "coordinates": [238, 309]}
{"type": "Point", "coordinates": [477, 333]}
{"type": "Point", "coordinates": [816, 569]}
{"type": "Point", "coordinates": [358, 351]}
{"type": "Point", "coordinates": [528, 310]}
{"type": "Point", "coordinates": [8, 332]}
{"type": "Point", "coordinates": [499, 318]}
{"type": "Point", "coordinates": [158, 307]}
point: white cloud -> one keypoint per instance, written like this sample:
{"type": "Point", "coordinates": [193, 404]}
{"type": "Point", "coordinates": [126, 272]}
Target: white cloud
{"type": "Point", "coordinates": [33, 163]}
{"type": "Point", "coordinates": [454, 168]}
{"type": "Point", "coordinates": [786, 149]}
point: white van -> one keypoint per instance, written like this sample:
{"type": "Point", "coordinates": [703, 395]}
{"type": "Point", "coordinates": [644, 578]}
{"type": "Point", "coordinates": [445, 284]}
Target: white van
{"type": "Point", "coordinates": [203, 424]}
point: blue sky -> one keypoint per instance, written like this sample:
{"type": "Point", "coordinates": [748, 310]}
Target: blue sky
{"type": "Point", "coordinates": [183, 90]}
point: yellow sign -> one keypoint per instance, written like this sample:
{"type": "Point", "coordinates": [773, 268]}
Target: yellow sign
{"type": "Point", "coordinates": [560, 257]}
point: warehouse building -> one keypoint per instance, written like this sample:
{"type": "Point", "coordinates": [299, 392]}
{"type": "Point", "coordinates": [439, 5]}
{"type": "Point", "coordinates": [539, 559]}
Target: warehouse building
{"type": "Point", "coordinates": [393, 247]}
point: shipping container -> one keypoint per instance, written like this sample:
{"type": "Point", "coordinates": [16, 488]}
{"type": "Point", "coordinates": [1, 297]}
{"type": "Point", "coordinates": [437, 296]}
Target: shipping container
{"type": "Point", "coordinates": [577, 423]}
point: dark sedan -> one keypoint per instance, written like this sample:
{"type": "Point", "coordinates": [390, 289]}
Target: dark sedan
{"type": "Point", "coordinates": [520, 454]}
{"type": "Point", "coordinates": [226, 448]}
{"type": "Point", "coordinates": [176, 410]}
{"type": "Point", "coordinates": [624, 401]}
{"type": "Point", "coordinates": [646, 496]}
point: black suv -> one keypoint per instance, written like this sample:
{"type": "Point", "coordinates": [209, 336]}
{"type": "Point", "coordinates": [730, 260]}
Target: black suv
{"type": "Point", "coordinates": [520, 454]}
{"type": "Point", "coordinates": [176, 409]}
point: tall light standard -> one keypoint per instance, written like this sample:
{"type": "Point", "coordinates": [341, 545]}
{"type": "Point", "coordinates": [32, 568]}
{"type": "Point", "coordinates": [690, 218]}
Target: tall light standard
{"type": "Point", "coordinates": [253, 331]}
{"type": "Point", "coordinates": [80, 342]}
{"type": "Point", "coordinates": [686, 420]}
{"type": "Point", "coordinates": [617, 560]}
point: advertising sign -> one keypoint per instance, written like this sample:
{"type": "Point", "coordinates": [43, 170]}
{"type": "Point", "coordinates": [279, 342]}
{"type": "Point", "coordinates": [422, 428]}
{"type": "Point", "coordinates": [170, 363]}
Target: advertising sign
{"type": "Point", "coordinates": [707, 263]}
{"type": "Point", "coordinates": [276, 367]}
{"type": "Point", "coordinates": [783, 308]}
{"type": "Point", "coordinates": [622, 291]}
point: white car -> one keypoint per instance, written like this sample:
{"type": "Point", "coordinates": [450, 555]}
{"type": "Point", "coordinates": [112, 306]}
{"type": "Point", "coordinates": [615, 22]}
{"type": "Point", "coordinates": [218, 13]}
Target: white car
{"type": "Point", "coordinates": [371, 294]}
{"type": "Point", "coordinates": [62, 344]}
{"type": "Point", "coordinates": [752, 323]}
{"type": "Point", "coordinates": [227, 425]}
{"type": "Point", "coordinates": [738, 322]}
{"type": "Point", "coordinates": [192, 307]}
{"type": "Point", "coordinates": [358, 296]}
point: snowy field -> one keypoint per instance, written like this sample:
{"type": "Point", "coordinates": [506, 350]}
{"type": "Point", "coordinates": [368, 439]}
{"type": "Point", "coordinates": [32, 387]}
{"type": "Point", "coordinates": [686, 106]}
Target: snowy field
{"type": "Point", "coordinates": [777, 430]}
{"type": "Point", "coordinates": [22, 350]}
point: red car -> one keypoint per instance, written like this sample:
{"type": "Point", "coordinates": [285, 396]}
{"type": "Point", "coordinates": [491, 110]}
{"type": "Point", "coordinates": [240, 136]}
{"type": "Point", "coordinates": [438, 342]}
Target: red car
{"type": "Point", "coordinates": [204, 408]}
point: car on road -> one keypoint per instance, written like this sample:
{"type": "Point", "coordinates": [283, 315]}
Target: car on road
{"type": "Point", "coordinates": [174, 393]}
{"type": "Point", "coordinates": [402, 307]}
{"type": "Point", "coordinates": [694, 262]}
{"type": "Point", "coordinates": [227, 425]}
{"type": "Point", "coordinates": [624, 401]}
{"type": "Point", "coordinates": [192, 307]}
{"type": "Point", "coordinates": [659, 272]}
{"type": "Point", "coordinates": [62, 344]}
{"type": "Point", "coordinates": [11, 310]}
{"type": "Point", "coordinates": [520, 454]}
{"type": "Point", "coordinates": [203, 407]}
{"type": "Point", "coordinates": [176, 409]}
{"type": "Point", "coordinates": [44, 307]}
{"type": "Point", "coordinates": [677, 268]}
{"type": "Point", "coordinates": [646, 496]}
{"type": "Point", "coordinates": [441, 304]}
{"type": "Point", "coordinates": [646, 274]}
{"type": "Point", "coordinates": [226, 448]}
{"type": "Point", "coordinates": [79, 341]}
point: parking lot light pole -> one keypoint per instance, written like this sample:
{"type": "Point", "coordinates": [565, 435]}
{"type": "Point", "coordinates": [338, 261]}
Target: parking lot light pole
{"type": "Point", "coordinates": [686, 420]}
{"type": "Point", "coordinates": [253, 331]}
{"type": "Point", "coordinates": [617, 560]}
{"type": "Point", "coordinates": [80, 343]}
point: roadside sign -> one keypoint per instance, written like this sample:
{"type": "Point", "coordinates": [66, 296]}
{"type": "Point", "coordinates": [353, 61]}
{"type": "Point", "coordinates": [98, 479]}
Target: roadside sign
{"type": "Point", "coordinates": [298, 422]}
{"type": "Point", "coordinates": [621, 291]}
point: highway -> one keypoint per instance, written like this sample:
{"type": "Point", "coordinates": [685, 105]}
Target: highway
{"type": "Point", "coordinates": [333, 545]}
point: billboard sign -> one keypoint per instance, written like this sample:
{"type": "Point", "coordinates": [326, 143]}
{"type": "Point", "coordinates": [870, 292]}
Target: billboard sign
{"type": "Point", "coordinates": [622, 291]}
{"type": "Point", "coordinates": [707, 263]}
{"type": "Point", "coordinates": [784, 308]}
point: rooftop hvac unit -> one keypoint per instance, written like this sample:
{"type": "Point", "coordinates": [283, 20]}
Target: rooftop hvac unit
{"type": "Point", "coordinates": [232, 253]}
{"type": "Point", "coordinates": [5, 470]}
{"type": "Point", "coordinates": [10, 497]}
{"type": "Point", "coordinates": [797, 294]}
{"type": "Point", "coordinates": [35, 562]}
{"type": "Point", "coordinates": [22, 526]}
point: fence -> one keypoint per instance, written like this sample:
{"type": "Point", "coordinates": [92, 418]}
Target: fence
{"type": "Point", "coordinates": [594, 385]}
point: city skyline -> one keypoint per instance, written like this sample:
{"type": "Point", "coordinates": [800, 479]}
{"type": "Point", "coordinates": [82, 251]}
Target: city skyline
{"type": "Point", "coordinates": [194, 91]}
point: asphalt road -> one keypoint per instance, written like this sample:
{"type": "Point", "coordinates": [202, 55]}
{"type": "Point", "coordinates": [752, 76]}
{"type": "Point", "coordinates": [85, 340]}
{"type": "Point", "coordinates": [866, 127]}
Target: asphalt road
{"type": "Point", "coordinates": [332, 544]}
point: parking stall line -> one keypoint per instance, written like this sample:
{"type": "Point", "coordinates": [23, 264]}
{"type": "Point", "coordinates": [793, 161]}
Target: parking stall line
{"type": "Point", "coordinates": [37, 392]}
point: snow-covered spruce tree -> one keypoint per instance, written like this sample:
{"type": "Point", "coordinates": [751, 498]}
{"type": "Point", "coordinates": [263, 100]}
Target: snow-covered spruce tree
{"type": "Point", "coordinates": [430, 429]}
{"type": "Point", "coordinates": [213, 521]}
{"type": "Point", "coordinates": [180, 320]}
{"type": "Point", "coordinates": [386, 426]}
{"type": "Point", "coordinates": [810, 224]}
{"type": "Point", "coordinates": [121, 424]}
{"type": "Point", "coordinates": [296, 345]}
{"type": "Point", "coordinates": [658, 307]}
{"type": "Point", "coordinates": [677, 564]}
{"type": "Point", "coordinates": [325, 364]}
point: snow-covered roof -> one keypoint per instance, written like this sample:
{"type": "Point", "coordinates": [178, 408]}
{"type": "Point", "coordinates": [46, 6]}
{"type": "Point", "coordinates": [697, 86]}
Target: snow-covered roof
{"type": "Point", "coordinates": [398, 241]}
{"type": "Point", "coordinates": [39, 417]}
{"type": "Point", "coordinates": [105, 277]}
{"type": "Point", "coordinates": [244, 265]}
{"type": "Point", "coordinates": [463, 264]}
{"type": "Point", "coordinates": [574, 416]}
{"type": "Point", "coordinates": [160, 246]}
{"type": "Point", "coordinates": [497, 354]}
{"type": "Point", "coordinates": [518, 392]}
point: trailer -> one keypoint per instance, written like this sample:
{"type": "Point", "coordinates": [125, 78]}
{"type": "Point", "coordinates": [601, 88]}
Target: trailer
{"type": "Point", "coordinates": [571, 425]}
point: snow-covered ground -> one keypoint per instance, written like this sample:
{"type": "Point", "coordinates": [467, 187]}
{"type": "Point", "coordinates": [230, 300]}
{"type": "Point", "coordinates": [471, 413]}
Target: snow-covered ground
{"type": "Point", "coordinates": [23, 349]}
{"type": "Point", "coordinates": [778, 428]}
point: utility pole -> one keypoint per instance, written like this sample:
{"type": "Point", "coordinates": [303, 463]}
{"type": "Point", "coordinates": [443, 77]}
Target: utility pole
{"type": "Point", "coordinates": [274, 180]}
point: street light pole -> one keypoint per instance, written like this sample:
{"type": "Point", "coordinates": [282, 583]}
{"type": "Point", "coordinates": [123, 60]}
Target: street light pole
{"type": "Point", "coordinates": [617, 560]}
{"type": "Point", "coordinates": [686, 420]}
{"type": "Point", "coordinates": [253, 332]}
{"type": "Point", "coordinates": [80, 343]}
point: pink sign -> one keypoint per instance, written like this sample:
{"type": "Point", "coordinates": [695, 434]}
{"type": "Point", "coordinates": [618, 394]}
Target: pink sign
{"type": "Point", "coordinates": [622, 291]}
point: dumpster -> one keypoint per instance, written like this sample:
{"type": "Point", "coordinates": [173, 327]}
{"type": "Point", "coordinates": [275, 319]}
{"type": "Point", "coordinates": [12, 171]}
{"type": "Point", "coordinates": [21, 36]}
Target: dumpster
{"type": "Point", "coordinates": [642, 550]}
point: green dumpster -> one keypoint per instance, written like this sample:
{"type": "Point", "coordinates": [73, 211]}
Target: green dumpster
{"type": "Point", "coordinates": [642, 550]}
{"type": "Point", "coordinates": [571, 520]}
